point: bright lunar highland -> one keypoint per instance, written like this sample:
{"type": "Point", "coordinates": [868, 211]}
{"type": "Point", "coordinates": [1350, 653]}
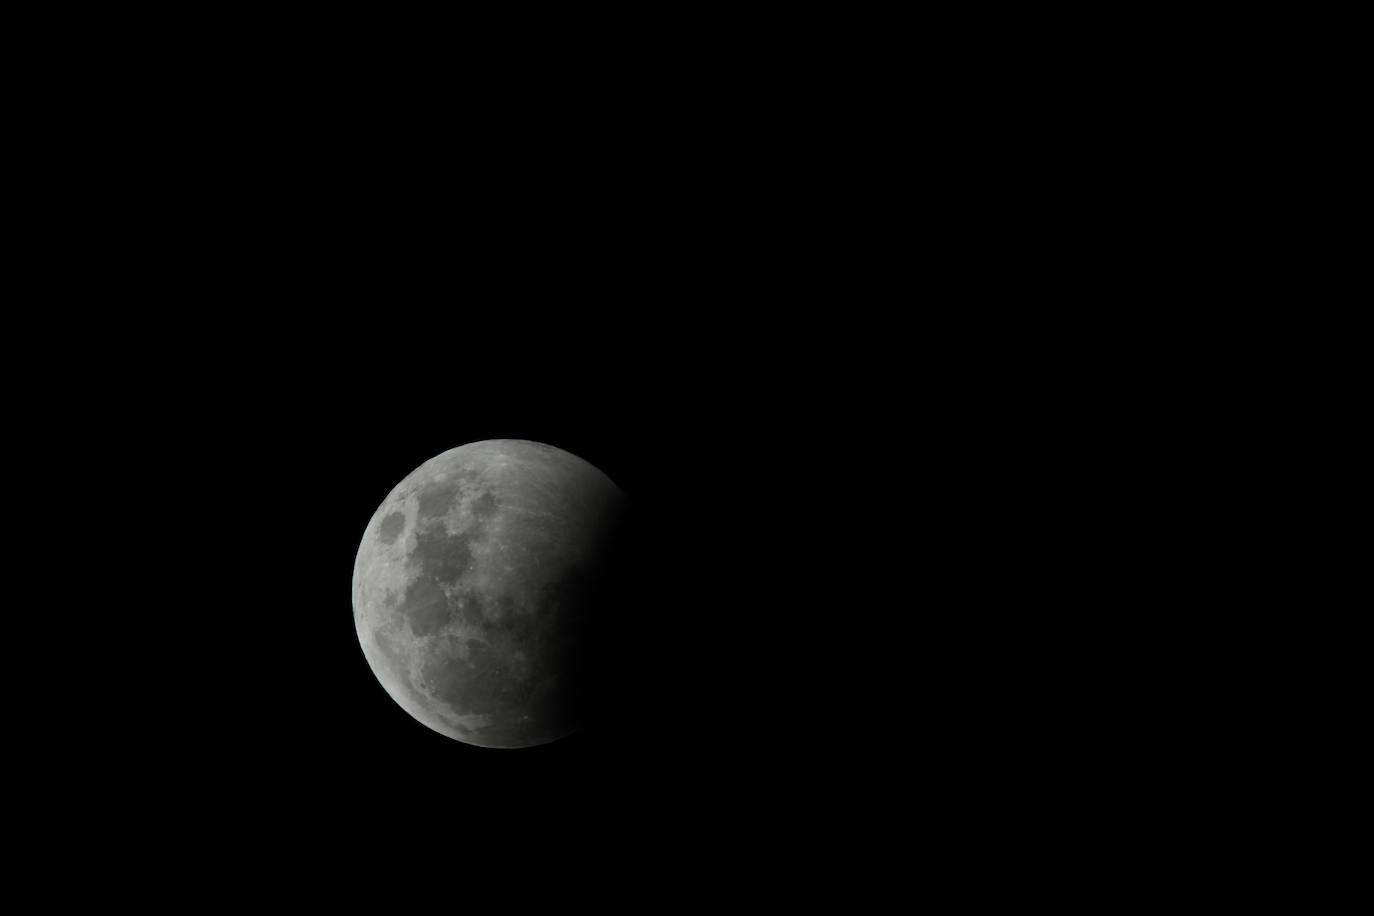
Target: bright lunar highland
{"type": "Point", "coordinates": [473, 585]}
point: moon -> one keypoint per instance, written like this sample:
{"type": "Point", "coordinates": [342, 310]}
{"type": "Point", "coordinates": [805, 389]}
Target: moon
{"type": "Point", "coordinates": [473, 586]}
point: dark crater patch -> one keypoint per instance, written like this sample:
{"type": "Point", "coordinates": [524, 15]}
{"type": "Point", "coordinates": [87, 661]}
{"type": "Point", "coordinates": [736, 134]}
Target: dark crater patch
{"type": "Point", "coordinates": [501, 611]}
{"type": "Point", "coordinates": [437, 498]}
{"type": "Point", "coordinates": [468, 607]}
{"type": "Point", "coordinates": [425, 606]}
{"type": "Point", "coordinates": [479, 685]}
{"type": "Point", "coordinates": [443, 556]}
{"type": "Point", "coordinates": [506, 624]}
{"type": "Point", "coordinates": [485, 506]}
{"type": "Point", "coordinates": [391, 528]}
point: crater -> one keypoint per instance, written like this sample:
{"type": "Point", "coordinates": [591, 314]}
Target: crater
{"type": "Point", "coordinates": [453, 646]}
{"type": "Point", "coordinates": [391, 528]}
{"type": "Point", "coordinates": [425, 606]}
{"type": "Point", "coordinates": [443, 556]}
{"type": "Point", "coordinates": [477, 684]}
{"type": "Point", "coordinates": [485, 506]}
{"type": "Point", "coordinates": [500, 610]}
{"type": "Point", "coordinates": [437, 498]}
{"type": "Point", "coordinates": [470, 607]}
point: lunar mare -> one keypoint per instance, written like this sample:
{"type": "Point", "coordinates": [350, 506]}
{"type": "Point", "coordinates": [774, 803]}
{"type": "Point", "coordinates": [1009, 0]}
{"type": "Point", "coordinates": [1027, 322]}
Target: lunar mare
{"type": "Point", "coordinates": [473, 585]}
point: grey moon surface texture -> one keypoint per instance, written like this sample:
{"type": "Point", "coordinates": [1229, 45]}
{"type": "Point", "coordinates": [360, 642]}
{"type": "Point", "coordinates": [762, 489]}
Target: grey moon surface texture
{"type": "Point", "coordinates": [473, 585]}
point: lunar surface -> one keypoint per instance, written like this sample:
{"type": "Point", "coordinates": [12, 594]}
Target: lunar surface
{"type": "Point", "coordinates": [473, 585]}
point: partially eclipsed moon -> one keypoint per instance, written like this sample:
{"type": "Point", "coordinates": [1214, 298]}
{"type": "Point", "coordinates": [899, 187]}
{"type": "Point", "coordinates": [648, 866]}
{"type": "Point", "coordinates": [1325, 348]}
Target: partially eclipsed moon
{"type": "Point", "coordinates": [473, 583]}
